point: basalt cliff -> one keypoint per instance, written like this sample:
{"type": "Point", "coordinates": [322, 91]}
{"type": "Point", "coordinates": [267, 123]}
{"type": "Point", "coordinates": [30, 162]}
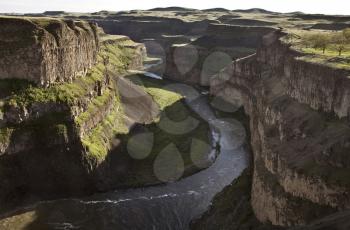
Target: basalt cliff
{"type": "Point", "coordinates": [61, 107]}
{"type": "Point", "coordinates": [299, 131]}
{"type": "Point", "coordinates": [68, 115]}
{"type": "Point", "coordinates": [73, 103]}
{"type": "Point", "coordinates": [298, 109]}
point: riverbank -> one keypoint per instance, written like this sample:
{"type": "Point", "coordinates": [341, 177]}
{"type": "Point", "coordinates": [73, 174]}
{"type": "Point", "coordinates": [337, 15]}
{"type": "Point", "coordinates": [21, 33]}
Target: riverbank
{"type": "Point", "coordinates": [178, 144]}
{"type": "Point", "coordinates": [231, 208]}
{"type": "Point", "coordinates": [171, 205]}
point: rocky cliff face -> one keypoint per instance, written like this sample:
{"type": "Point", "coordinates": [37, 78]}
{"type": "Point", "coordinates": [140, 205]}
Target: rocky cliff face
{"type": "Point", "coordinates": [299, 130]}
{"type": "Point", "coordinates": [46, 50]}
{"type": "Point", "coordinates": [54, 139]}
{"type": "Point", "coordinates": [197, 61]}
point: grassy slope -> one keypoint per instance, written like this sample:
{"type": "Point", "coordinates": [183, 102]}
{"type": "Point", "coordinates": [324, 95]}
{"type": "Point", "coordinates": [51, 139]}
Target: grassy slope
{"type": "Point", "coordinates": [21, 93]}
{"type": "Point", "coordinates": [175, 110]}
{"type": "Point", "coordinates": [330, 57]}
{"type": "Point", "coordinates": [173, 107]}
{"type": "Point", "coordinates": [97, 141]}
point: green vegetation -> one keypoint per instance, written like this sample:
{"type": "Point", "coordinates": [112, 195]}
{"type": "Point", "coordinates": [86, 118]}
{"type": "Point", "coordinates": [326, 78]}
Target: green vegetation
{"type": "Point", "coordinates": [332, 42]}
{"type": "Point", "coordinates": [179, 112]}
{"type": "Point", "coordinates": [94, 107]}
{"type": "Point", "coordinates": [10, 87]}
{"type": "Point", "coordinates": [24, 93]}
{"type": "Point", "coordinates": [162, 96]}
{"type": "Point", "coordinates": [329, 48]}
{"type": "Point", "coordinates": [113, 60]}
{"type": "Point", "coordinates": [44, 22]}
{"type": "Point", "coordinates": [97, 141]}
{"type": "Point", "coordinates": [141, 172]}
{"type": "Point", "coordinates": [174, 109]}
{"type": "Point", "coordinates": [5, 134]}
{"type": "Point", "coordinates": [54, 126]}
{"type": "Point", "coordinates": [341, 63]}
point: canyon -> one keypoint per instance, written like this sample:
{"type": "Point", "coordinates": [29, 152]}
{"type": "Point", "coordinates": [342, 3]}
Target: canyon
{"type": "Point", "coordinates": [66, 115]}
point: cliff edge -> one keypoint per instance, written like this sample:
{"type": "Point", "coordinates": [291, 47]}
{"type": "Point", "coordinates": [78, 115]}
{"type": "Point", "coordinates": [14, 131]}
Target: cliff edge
{"type": "Point", "coordinates": [300, 132]}
{"type": "Point", "coordinates": [46, 50]}
{"type": "Point", "coordinates": [60, 105]}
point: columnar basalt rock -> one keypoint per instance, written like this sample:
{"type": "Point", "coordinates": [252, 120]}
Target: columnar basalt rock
{"type": "Point", "coordinates": [321, 87]}
{"type": "Point", "coordinates": [300, 138]}
{"type": "Point", "coordinates": [46, 50]}
{"type": "Point", "coordinates": [53, 139]}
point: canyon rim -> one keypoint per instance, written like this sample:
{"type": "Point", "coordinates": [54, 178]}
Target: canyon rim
{"type": "Point", "coordinates": [174, 118]}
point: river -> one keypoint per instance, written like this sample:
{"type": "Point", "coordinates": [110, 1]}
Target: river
{"type": "Point", "coordinates": [169, 206]}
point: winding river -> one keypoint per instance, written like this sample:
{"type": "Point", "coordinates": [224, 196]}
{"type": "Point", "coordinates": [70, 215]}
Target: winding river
{"type": "Point", "coordinates": [169, 206]}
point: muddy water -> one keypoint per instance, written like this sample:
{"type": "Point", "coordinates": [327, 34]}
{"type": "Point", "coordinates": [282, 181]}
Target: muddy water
{"type": "Point", "coordinates": [169, 206]}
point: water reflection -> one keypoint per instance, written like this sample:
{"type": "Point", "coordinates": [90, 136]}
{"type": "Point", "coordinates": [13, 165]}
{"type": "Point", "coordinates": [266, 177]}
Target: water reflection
{"type": "Point", "coordinates": [169, 206]}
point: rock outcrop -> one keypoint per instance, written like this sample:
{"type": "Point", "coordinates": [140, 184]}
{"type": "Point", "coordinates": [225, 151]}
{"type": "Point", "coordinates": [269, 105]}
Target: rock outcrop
{"type": "Point", "coordinates": [197, 61]}
{"type": "Point", "coordinates": [46, 50]}
{"type": "Point", "coordinates": [299, 129]}
{"type": "Point", "coordinates": [53, 139]}
{"type": "Point", "coordinates": [73, 137]}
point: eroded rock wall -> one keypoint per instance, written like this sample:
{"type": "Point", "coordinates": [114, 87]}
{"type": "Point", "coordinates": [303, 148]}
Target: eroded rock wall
{"type": "Point", "coordinates": [54, 140]}
{"type": "Point", "coordinates": [198, 61]}
{"type": "Point", "coordinates": [46, 50]}
{"type": "Point", "coordinates": [321, 87]}
{"type": "Point", "coordinates": [300, 144]}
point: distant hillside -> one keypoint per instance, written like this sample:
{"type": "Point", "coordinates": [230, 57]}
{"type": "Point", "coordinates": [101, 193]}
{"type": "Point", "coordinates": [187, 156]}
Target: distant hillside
{"type": "Point", "coordinates": [254, 10]}
{"type": "Point", "coordinates": [216, 10]}
{"type": "Point", "coordinates": [338, 18]}
{"type": "Point", "coordinates": [172, 8]}
{"type": "Point", "coordinates": [53, 13]}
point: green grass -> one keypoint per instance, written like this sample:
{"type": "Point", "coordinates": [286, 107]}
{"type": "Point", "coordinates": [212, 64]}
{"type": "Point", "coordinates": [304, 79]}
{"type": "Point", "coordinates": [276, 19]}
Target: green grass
{"type": "Point", "coordinates": [324, 60]}
{"type": "Point", "coordinates": [10, 87]}
{"type": "Point", "coordinates": [178, 112]}
{"type": "Point", "coordinates": [70, 93]}
{"type": "Point", "coordinates": [157, 90]}
{"type": "Point", "coordinates": [44, 21]}
{"type": "Point", "coordinates": [23, 94]}
{"type": "Point", "coordinates": [141, 172]}
{"type": "Point", "coordinates": [94, 107]}
{"type": "Point", "coordinates": [330, 52]}
{"type": "Point", "coordinates": [174, 109]}
{"type": "Point", "coordinates": [47, 129]}
{"type": "Point", "coordinates": [163, 97]}
{"type": "Point", "coordinates": [331, 55]}
{"type": "Point", "coordinates": [5, 135]}
{"type": "Point", "coordinates": [97, 141]}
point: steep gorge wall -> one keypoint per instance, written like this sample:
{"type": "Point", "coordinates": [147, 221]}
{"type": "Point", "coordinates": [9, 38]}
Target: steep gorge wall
{"type": "Point", "coordinates": [321, 87]}
{"type": "Point", "coordinates": [138, 28]}
{"type": "Point", "coordinates": [300, 144]}
{"type": "Point", "coordinates": [154, 32]}
{"type": "Point", "coordinates": [55, 139]}
{"type": "Point", "coordinates": [197, 61]}
{"type": "Point", "coordinates": [46, 50]}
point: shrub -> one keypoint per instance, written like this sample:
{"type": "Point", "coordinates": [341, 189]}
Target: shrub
{"type": "Point", "coordinates": [346, 34]}
{"type": "Point", "coordinates": [339, 41]}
